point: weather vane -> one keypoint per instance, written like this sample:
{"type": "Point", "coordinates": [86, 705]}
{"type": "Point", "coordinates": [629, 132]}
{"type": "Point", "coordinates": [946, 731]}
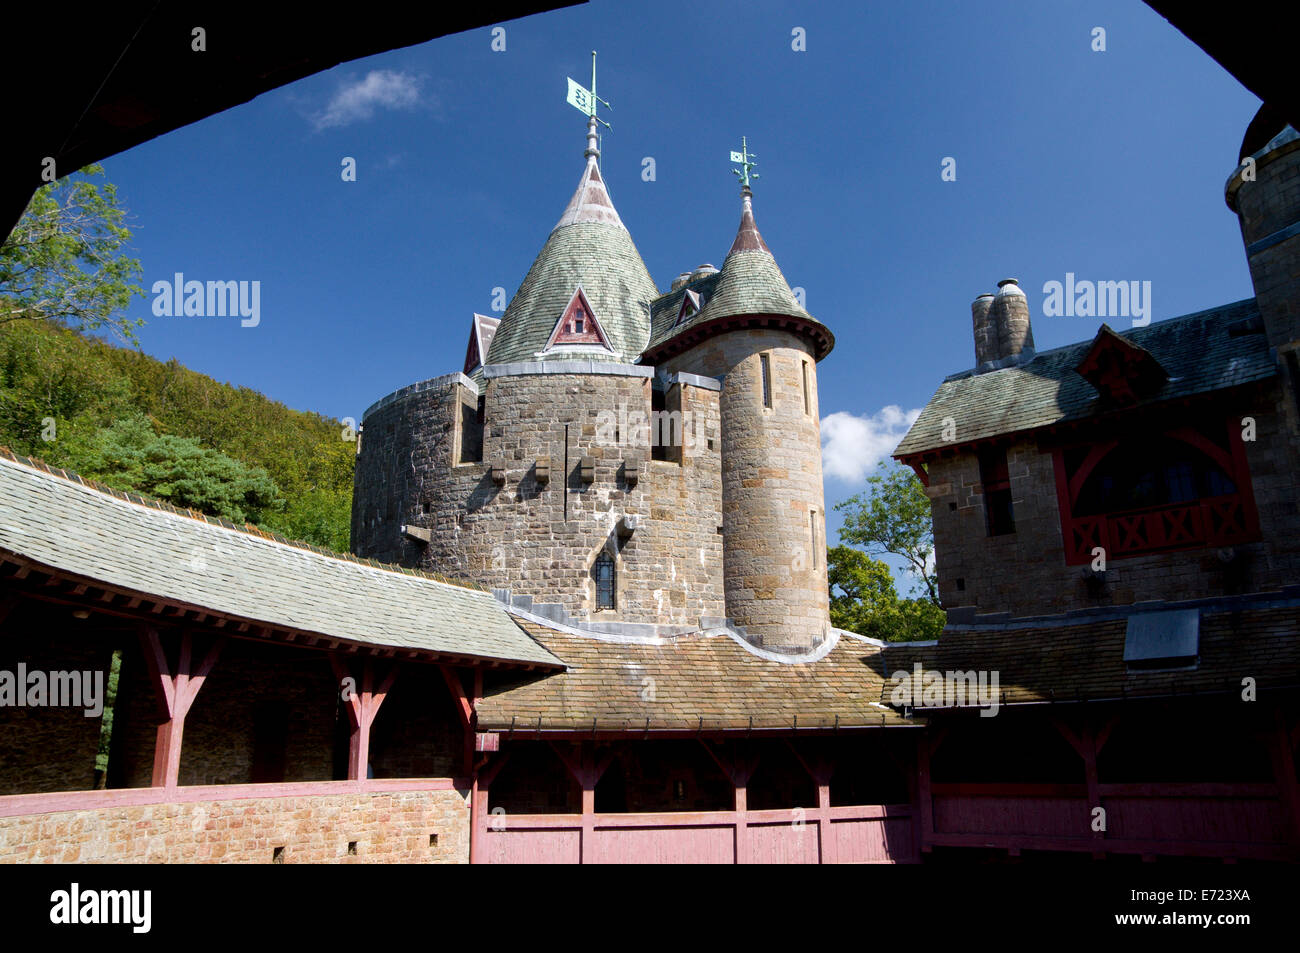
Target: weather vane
{"type": "Point", "coordinates": [587, 100]}
{"type": "Point", "coordinates": [747, 163]}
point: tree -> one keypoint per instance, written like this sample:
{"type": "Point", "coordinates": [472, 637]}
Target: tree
{"type": "Point", "coordinates": [130, 456]}
{"type": "Point", "coordinates": [66, 260]}
{"type": "Point", "coordinates": [893, 517]}
{"type": "Point", "coordinates": [864, 600]}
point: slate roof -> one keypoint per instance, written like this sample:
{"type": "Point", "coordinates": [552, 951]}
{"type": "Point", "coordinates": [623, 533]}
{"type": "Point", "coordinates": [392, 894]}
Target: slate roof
{"type": "Point", "coordinates": [56, 520]}
{"type": "Point", "coordinates": [693, 677]}
{"type": "Point", "coordinates": [1050, 661]}
{"type": "Point", "coordinates": [1202, 352]}
{"type": "Point", "coordinates": [749, 283]}
{"type": "Point", "coordinates": [588, 247]}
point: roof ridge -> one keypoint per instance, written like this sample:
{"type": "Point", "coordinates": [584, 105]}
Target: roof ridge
{"type": "Point", "coordinates": [1164, 322]}
{"type": "Point", "coordinates": [248, 529]}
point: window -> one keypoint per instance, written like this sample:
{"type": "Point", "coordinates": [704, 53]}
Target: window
{"type": "Point", "coordinates": [812, 529]}
{"type": "Point", "coordinates": [471, 431]}
{"type": "Point", "coordinates": [998, 515]}
{"type": "Point", "coordinates": [1185, 488]}
{"type": "Point", "coordinates": [579, 322]}
{"type": "Point", "coordinates": [807, 400]}
{"type": "Point", "coordinates": [604, 570]}
{"type": "Point", "coordinates": [766, 365]}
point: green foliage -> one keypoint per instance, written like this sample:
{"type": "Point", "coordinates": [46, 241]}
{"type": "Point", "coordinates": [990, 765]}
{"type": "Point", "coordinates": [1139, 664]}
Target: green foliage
{"type": "Point", "coordinates": [864, 600]}
{"type": "Point", "coordinates": [66, 260]}
{"type": "Point", "coordinates": [159, 428]}
{"type": "Point", "coordinates": [893, 517]}
{"type": "Point", "coordinates": [130, 456]}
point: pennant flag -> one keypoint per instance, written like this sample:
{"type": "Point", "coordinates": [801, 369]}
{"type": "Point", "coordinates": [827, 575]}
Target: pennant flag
{"type": "Point", "coordinates": [580, 98]}
{"type": "Point", "coordinates": [735, 156]}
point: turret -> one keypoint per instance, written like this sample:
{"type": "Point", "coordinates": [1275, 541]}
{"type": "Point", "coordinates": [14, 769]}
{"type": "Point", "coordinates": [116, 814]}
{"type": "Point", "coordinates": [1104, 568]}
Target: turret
{"type": "Point", "coordinates": [1264, 191]}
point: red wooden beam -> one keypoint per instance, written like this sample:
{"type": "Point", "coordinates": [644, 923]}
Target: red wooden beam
{"type": "Point", "coordinates": [362, 707]}
{"type": "Point", "coordinates": [175, 694]}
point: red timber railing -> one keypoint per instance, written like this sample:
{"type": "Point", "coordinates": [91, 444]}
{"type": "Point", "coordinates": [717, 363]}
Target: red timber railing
{"type": "Point", "coordinates": [1217, 521]}
{"type": "Point", "coordinates": [1187, 820]}
{"type": "Point", "coordinates": [879, 834]}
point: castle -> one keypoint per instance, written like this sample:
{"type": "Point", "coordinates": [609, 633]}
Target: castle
{"type": "Point", "coordinates": [616, 457]}
{"type": "Point", "coordinates": [652, 676]}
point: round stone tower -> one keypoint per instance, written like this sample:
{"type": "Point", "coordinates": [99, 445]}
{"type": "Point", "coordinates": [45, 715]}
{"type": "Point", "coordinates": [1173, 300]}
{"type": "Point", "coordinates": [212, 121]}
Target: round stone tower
{"type": "Point", "coordinates": [754, 335]}
{"type": "Point", "coordinates": [1264, 191]}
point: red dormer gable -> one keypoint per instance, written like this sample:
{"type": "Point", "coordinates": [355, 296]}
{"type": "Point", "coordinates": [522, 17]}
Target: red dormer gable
{"type": "Point", "coordinates": [1122, 372]}
{"type": "Point", "coordinates": [578, 325]}
{"type": "Point", "coordinates": [481, 331]}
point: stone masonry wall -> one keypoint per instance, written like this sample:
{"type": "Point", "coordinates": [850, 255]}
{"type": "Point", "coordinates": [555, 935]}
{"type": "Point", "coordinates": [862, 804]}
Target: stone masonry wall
{"type": "Point", "coordinates": [1267, 206]}
{"type": "Point", "coordinates": [1025, 572]}
{"type": "Point", "coordinates": [392, 827]}
{"type": "Point", "coordinates": [518, 535]}
{"type": "Point", "coordinates": [774, 510]}
{"type": "Point", "coordinates": [49, 749]}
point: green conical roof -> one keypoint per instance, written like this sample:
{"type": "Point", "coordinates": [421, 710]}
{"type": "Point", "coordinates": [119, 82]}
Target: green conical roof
{"type": "Point", "coordinates": [589, 247]}
{"type": "Point", "coordinates": [749, 284]}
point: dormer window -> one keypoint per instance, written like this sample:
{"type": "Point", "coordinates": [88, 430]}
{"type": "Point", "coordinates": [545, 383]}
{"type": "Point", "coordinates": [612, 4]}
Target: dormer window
{"type": "Point", "coordinates": [691, 304]}
{"type": "Point", "coordinates": [1185, 488]}
{"type": "Point", "coordinates": [578, 327]}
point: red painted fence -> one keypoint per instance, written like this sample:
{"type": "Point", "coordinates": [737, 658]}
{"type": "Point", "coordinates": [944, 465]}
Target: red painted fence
{"type": "Point", "coordinates": [860, 834]}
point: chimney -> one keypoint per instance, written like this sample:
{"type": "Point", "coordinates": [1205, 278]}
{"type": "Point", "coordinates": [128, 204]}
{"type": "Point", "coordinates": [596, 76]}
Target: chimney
{"type": "Point", "coordinates": [1003, 336]}
{"type": "Point", "coordinates": [1011, 319]}
{"type": "Point", "coordinates": [986, 335]}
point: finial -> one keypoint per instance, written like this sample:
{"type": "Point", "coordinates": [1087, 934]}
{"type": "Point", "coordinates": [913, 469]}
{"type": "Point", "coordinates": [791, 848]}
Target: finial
{"type": "Point", "coordinates": [586, 101]}
{"type": "Point", "coordinates": [747, 165]}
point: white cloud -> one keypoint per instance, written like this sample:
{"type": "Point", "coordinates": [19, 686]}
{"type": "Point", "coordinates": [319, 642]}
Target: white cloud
{"type": "Point", "coordinates": [852, 445]}
{"type": "Point", "coordinates": [357, 100]}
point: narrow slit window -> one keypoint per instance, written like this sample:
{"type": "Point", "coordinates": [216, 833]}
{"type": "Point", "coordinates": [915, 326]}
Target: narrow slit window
{"type": "Point", "coordinates": [807, 399]}
{"type": "Point", "coordinates": [604, 581]}
{"type": "Point", "coordinates": [766, 363]}
{"type": "Point", "coordinates": [812, 532]}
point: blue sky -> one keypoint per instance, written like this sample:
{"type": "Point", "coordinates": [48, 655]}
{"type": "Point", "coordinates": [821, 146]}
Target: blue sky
{"type": "Point", "coordinates": [1109, 165]}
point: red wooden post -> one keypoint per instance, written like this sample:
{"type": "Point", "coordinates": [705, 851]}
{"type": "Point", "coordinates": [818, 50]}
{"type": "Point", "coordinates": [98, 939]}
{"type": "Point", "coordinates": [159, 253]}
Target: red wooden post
{"type": "Point", "coordinates": [738, 769]}
{"type": "Point", "coordinates": [924, 746]}
{"type": "Point", "coordinates": [586, 770]}
{"type": "Point", "coordinates": [175, 696]}
{"type": "Point", "coordinates": [1085, 743]}
{"type": "Point", "coordinates": [1288, 792]}
{"type": "Point", "coordinates": [821, 769]}
{"type": "Point", "coordinates": [480, 786]}
{"type": "Point", "coordinates": [466, 707]}
{"type": "Point", "coordinates": [362, 707]}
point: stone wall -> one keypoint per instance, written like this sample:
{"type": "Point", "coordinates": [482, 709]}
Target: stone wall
{"type": "Point", "coordinates": [1266, 207]}
{"type": "Point", "coordinates": [774, 511]}
{"type": "Point", "coordinates": [395, 827]}
{"type": "Point", "coordinates": [541, 539]}
{"type": "Point", "coordinates": [48, 748]}
{"type": "Point", "coordinates": [1025, 572]}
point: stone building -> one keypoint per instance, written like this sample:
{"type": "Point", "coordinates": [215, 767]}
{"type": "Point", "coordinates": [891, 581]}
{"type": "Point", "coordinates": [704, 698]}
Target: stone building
{"type": "Point", "coordinates": [636, 663]}
{"type": "Point", "coordinates": [617, 457]}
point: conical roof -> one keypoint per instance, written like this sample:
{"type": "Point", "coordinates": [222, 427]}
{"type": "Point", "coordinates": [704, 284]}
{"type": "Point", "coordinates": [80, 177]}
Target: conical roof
{"type": "Point", "coordinates": [750, 284]}
{"type": "Point", "coordinates": [588, 248]}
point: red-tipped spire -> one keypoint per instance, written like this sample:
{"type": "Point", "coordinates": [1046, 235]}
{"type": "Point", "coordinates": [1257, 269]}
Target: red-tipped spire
{"type": "Point", "coordinates": [748, 238]}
